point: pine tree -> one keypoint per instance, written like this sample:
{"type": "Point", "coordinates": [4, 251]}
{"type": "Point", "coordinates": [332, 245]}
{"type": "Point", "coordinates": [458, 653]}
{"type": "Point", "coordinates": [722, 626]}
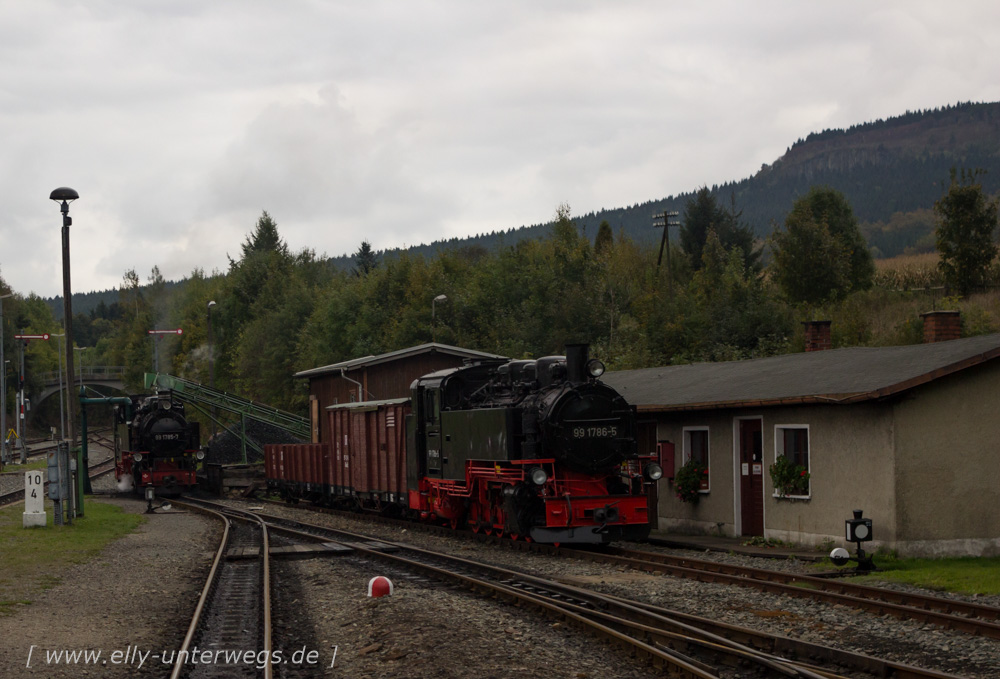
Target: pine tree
{"type": "Point", "coordinates": [365, 260]}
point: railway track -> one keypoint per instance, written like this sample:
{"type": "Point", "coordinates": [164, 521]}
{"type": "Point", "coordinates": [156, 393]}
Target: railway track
{"type": "Point", "coordinates": [41, 446]}
{"type": "Point", "coordinates": [233, 613]}
{"type": "Point", "coordinates": [961, 616]}
{"type": "Point", "coordinates": [96, 471]}
{"type": "Point", "coordinates": [952, 614]}
{"type": "Point", "coordinates": [687, 646]}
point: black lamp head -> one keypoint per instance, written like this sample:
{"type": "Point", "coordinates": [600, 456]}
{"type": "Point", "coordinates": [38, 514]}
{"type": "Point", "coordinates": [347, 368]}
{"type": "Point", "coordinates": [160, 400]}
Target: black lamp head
{"type": "Point", "coordinates": [64, 195]}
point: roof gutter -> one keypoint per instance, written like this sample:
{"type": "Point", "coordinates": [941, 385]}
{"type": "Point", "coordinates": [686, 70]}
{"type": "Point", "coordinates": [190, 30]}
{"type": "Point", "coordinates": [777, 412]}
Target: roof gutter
{"type": "Point", "coordinates": [361, 396]}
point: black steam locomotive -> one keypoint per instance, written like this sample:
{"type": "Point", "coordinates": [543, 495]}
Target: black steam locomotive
{"type": "Point", "coordinates": [540, 449]}
{"type": "Point", "coordinates": [155, 445]}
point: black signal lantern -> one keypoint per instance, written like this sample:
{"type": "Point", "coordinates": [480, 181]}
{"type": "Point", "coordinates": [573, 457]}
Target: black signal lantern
{"type": "Point", "coordinates": [858, 529]}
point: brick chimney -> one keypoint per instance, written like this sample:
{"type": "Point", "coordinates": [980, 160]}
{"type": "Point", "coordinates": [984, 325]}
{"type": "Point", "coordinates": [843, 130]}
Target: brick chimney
{"type": "Point", "coordinates": [940, 326]}
{"type": "Point", "coordinates": [818, 335]}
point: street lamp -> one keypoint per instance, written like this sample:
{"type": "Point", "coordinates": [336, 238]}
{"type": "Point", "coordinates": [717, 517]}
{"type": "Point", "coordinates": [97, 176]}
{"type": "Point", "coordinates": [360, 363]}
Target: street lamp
{"type": "Point", "coordinates": [3, 386]}
{"type": "Point", "coordinates": [211, 359]}
{"type": "Point", "coordinates": [439, 298]}
{"type": "Point", "coordinates": [65, 195]}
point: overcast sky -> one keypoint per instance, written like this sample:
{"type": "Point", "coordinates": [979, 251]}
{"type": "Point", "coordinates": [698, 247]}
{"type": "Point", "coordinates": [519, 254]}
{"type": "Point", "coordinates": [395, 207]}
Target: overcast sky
{"type": "Point", "coordinates": [403, 122]}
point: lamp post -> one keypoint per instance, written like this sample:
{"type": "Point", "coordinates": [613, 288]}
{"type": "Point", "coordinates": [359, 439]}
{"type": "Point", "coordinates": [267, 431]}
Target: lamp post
{"type": "Point", "coordinates": [62, 413]}
{"type": "Point", "coordinates": [439, 298]}
{"type": "Point", "coordinates": [211, 358]}
{"type": "Point", "coordinates": [64, 196]}
{"type": "Point", "coordinates": [3, 387]}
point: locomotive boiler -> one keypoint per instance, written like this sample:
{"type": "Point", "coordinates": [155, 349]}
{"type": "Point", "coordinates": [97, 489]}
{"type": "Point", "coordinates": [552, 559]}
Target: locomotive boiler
{"type": "Point", "coordinates": [155, 445]}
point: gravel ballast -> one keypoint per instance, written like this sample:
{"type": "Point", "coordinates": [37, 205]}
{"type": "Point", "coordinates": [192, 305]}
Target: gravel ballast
{"type": "Point", "coordinates": [886, 637]}
{"type": "Point", "coordinates": [141, 591]}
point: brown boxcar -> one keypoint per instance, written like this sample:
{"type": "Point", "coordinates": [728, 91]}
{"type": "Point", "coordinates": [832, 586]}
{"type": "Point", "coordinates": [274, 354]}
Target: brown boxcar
{"type": "Point", "coordinates": [298, 470]}
{"type": "Point", "coordinates": [368, 456]}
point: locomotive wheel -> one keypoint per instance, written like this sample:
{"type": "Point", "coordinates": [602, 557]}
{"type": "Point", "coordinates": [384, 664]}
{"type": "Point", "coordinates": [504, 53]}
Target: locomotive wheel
{"type": "Point", "coordinates": [454, 523]}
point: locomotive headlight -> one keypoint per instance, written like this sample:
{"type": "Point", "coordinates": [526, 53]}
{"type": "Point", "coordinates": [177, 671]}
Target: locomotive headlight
{"type": "Point", "coordinates": [654, 472]}
{"type": "Point", "coordinates": [200, 454]}
{"type": "Point", "coordinates": [538, 476]}
{"type": "Point", "coordinates": [137, 457]}
{"type": "Point", "coordinates": [595, 368]}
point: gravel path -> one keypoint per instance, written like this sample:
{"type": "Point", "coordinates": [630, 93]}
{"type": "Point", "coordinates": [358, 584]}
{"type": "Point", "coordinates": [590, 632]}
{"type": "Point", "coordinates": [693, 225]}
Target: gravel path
{"type": "Point", "coordinates": [139, 593]}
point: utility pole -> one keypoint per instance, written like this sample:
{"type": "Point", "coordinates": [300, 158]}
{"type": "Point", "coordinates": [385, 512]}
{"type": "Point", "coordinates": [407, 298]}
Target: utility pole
{"type": "Point", "coordinates": [662, 219]}
{"type": "Point", "coordinates": [3, 390]}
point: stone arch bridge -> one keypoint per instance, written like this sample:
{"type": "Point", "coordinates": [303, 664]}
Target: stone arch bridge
{"type": "Point", "coordinates": [92, 375]}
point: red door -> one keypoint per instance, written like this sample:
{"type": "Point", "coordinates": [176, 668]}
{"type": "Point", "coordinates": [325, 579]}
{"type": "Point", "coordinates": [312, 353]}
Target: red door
{"type": "Point", "coordinates": [751, 478]}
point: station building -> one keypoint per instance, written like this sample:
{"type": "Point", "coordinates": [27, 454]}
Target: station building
{"type": "Point", "coordinates": [910, 435]}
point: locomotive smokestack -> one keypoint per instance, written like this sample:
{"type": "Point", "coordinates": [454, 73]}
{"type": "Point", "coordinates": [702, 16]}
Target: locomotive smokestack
{"type": "Point", "coordinates": [576, 362]}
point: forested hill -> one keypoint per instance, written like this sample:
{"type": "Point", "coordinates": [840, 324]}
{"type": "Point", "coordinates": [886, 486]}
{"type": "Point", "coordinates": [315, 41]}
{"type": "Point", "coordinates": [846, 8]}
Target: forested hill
{"type": "Point", "coordinates": [888, 167]}
{"type": "Point", "coordinates": [891, 171]}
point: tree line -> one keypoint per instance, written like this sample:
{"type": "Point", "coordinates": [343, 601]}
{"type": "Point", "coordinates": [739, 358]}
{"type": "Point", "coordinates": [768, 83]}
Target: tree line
{"type": "Point", "coordinates": [277, 312]}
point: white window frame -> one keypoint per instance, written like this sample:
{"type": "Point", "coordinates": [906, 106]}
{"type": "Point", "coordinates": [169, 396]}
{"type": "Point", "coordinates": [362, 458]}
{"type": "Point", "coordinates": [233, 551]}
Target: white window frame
{"type": "Point", "coordinates": [779, 449]}
{"type": "Point", "coordinates": [686, 453]}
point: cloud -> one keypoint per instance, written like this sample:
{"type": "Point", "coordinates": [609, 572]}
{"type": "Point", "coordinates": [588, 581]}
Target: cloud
{"type": "Point", "coordinates": [405, 122]}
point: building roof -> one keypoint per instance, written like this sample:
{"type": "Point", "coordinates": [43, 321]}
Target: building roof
{"type": "Point", "coordinates": [847, 375]}
{"type": "Point", "coordinates": [365, 361]}
{"type": "Point", "coordinates": [369, 405]}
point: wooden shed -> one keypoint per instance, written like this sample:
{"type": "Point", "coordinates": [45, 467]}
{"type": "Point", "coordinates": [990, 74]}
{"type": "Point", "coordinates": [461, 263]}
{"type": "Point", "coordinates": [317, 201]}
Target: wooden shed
{"type": "Point", "coordinates": [376, 378]}
{"type": "Point", "coordinates": [908, 434]}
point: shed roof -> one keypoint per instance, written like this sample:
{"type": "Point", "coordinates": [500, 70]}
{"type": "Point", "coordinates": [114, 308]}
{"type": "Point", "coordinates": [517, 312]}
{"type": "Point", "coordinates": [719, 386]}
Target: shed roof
{"type": "Point", "coordinates": [365, 361]}
{"type": "Point", "coordinates": [847, 375]}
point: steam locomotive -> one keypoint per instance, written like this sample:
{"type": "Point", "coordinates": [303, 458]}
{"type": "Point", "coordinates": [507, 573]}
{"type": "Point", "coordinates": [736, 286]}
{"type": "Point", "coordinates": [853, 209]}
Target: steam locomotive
{"type": "Point", "coordinates": [156, 447]}
{"type": "Point", "coordinates": [536, 449]}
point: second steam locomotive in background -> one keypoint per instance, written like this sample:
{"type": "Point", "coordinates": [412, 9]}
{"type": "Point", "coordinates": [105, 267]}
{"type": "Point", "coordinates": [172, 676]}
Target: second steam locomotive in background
{"type": "Point", "coordinates": [156, 446]}
{"type": "Point", "coordinates": [537, 449]}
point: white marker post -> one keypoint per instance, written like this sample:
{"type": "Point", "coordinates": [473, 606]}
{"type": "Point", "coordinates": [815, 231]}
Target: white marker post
{"type": "Point", "coordinates": [34, 499]}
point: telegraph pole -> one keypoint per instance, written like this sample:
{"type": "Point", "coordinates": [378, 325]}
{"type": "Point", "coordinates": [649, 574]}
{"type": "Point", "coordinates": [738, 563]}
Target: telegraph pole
{"type": "Point", "coordinates": [662, 219]}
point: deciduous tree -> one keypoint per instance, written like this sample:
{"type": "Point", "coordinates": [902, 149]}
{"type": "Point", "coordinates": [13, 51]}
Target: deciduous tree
{"type": "Point", "coordinates": [965, 232]}
{"type": "Point", "coordinates": [821, 255]}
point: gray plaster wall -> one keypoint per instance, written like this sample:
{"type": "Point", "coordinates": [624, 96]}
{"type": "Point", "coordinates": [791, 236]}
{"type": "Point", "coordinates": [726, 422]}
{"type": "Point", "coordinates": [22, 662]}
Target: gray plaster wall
{"type": "Point", "coordinates": [948, 470]}
{"type": "Point", "coordinates": [851, 467]}
{"type": "Point", "coordinates": [714, 507]}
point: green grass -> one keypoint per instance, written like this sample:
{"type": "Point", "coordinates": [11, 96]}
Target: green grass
{"type": "Point", "coordinates": [967, 575]}
{"type": "Point", "coordinates": [37, 463]}
{"type": "Point", "coordinates": [31, 559]}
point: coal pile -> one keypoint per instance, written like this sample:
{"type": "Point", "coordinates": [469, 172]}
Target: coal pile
{"type": "Point", "coordinates": [225, 447]}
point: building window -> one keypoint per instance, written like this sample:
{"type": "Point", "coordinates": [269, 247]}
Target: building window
{"type": "Point", "coordinates": [696, 448]}
{"type": "Point", "coordinates": [792, 443]}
